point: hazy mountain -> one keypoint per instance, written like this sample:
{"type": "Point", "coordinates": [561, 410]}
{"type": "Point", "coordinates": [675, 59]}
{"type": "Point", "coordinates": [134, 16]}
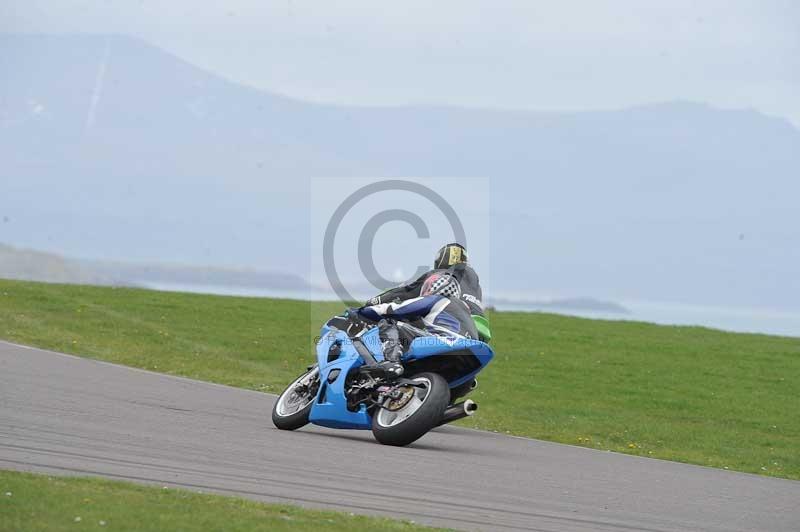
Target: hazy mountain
{"type": "Point", "coordinates": [114, 149]}
{"type": "Point", "coordinates": [561, 305]}
{"type": "Point", "coordinates": [31, 265]}
{"type": "Point", "coordinates": [25, 264]}
{"type": "Point", "coordinates": [176, 274]}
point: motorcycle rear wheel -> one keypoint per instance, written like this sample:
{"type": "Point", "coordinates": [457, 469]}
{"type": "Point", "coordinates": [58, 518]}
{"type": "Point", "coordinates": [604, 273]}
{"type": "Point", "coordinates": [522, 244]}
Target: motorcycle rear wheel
{"type": "Point", "coordinates": [415, 418]}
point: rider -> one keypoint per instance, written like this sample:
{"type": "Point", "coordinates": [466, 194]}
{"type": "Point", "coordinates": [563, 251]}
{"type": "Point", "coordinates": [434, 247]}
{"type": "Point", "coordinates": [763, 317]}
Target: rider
{"type": "Point", "coordinates": [448, 297]}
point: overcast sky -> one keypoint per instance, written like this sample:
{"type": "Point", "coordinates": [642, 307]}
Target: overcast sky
{"type": "Point", "coordinates": [537, 55]}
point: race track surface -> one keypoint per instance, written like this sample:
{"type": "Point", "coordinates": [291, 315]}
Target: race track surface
{"type": "Point", "coordinates": [67, 415]}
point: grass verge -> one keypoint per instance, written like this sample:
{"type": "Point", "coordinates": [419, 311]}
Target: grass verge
{"type": "Point", "coordinates": [41, 503]}
{"type": "Point", "coordinates": [680, 393]}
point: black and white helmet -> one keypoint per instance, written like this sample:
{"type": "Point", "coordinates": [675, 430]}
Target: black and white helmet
{"type": "Point", "coordinates": [443, 284]}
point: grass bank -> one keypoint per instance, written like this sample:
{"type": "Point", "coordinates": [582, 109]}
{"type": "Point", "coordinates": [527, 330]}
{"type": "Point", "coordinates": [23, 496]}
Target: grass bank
{"type": "Point", "coordinates": [40, 503]}
{"type": "Point", "coordinates": [680, 393]}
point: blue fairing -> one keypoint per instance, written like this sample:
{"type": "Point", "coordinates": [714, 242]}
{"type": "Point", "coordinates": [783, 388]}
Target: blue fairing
{"type": "Point", "coordinates": [433, 346]}
{"type": "Point", "coordinates": [330, 408]}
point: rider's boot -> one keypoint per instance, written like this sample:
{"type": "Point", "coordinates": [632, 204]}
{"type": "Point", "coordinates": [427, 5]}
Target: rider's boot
{"type": "Point", "coordinates": [392, 350]}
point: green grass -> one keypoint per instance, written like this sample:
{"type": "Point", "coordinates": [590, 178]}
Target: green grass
{"type": "Point", "coordinates": [680, 393]}
{"type": "Point", "coordinates": [41, 503]}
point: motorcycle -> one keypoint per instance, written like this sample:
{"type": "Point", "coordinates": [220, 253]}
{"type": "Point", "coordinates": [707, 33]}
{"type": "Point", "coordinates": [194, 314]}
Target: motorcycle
{"type": "Point", "coordinates": [347, 389]}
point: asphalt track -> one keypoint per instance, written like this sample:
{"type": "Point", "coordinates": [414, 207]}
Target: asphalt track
{"type": "Point", "coordinates": [67, 415]}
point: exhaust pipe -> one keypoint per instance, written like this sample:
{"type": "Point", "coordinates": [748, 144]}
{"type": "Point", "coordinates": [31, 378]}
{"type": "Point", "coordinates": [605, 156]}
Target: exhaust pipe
{"type": "Point", "coordinates": [458, 411]}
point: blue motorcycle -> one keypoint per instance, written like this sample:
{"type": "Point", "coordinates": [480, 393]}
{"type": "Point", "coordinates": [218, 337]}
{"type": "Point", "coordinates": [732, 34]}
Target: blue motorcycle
{"type": "Point", "coordinates": [347, 389]}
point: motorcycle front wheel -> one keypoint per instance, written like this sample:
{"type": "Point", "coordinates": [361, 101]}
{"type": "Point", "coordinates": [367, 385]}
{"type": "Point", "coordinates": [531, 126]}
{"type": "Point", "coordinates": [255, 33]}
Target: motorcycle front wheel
{"type": "Point", "coordinates": [403, 420]}
{"type": "Point", "coordinates": [291, 410]}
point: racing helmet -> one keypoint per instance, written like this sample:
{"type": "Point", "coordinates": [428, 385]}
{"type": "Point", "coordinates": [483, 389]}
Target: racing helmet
{"type": "Point", "coordinates": [449, 255]}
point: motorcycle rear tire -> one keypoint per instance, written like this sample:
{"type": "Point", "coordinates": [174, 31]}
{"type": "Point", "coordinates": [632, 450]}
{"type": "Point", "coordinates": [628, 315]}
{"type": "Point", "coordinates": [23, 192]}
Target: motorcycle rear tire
{"type": "Point", "coordinates": [427, 416]}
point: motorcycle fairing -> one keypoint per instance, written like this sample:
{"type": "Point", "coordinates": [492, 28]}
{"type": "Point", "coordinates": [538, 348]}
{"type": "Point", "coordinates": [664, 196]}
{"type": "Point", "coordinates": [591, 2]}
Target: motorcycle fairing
{"type": "Point", "coordinates": [330, 405]}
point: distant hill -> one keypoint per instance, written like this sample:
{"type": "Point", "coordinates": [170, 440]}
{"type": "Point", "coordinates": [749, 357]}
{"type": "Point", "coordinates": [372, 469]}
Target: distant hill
{"type": "Point", "coordinates": [112, 148]}
{"type": "Point", "coordinates": [148, 274]}
{"type": "Point", "coordinates": [561, 305]}
{"type": "Point", "coordinates": [32, 265]}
